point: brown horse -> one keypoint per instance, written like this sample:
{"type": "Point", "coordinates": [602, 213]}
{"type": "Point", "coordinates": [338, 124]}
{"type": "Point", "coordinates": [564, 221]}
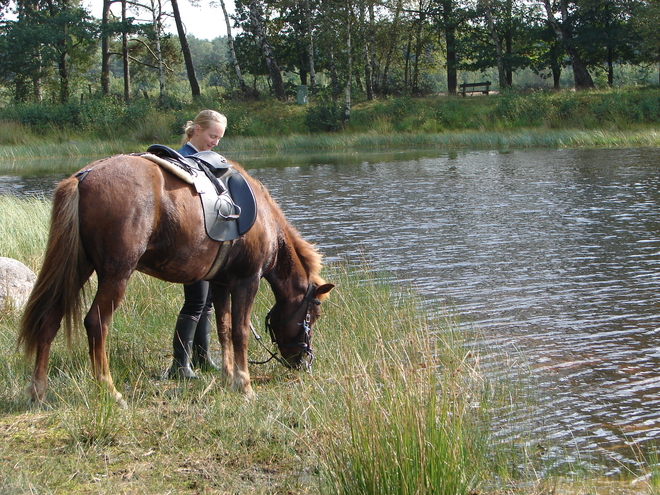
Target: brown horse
{"type": "Point", "coordinates": [125, 213]}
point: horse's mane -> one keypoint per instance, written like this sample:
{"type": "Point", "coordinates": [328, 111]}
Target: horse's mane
{"type": "Point", "coordinates": [310, 258]}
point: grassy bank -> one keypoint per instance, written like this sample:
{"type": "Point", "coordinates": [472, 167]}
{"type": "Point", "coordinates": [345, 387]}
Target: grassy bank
{"type": "Point", "coordinates": [621, 117]}
{"type": "Point", "coordinates": [397, 403]}
{"type": "Point", "coordinates": [346, 142]}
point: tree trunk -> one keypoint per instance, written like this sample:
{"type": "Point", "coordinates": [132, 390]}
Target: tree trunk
{"type": "Point", "coordinates": [64, 77]}
{"type": "Point", "coordinates": [185, 49]}
{"type": "Point", "coordinates": [365, 54]}
{"type": "Point", "coordinates": [450, 41]}
{"type": "Point", "coordinates": [105, 48]}
{"type": "Point", "coordinates": [581, 75]}
{"type": "Point", "coordinates": [349, 64]}
{"type": "Point", "coordinates": [418, 48]}
{"type": "Point", "coordinates": [394, 39]}
{"type": "Point", "coordinates": [501, 72]}
{"type": "Point", "coordinates": [508, 42]}
{"type": "Point", "coordinates": [124, 55]}
{"type": "Point", "coordinates": [232, 53]}
{"type": "Point", "coordinates": [37, 83]}
{"type": "Point", "coordinates": [256, 19]}
{"type": "Point", "coordinates": [310, 47]}
{"type": "Point", "coordinates": [158, 28]}
{"type": "Point", "coordinates": [406, 66]}
{"type": "Point", "coordinates": [334, 78]}
{"type": "Point", "coordinates": [372, 45]}
{"type": "Point", "coordinates": [60, 46]}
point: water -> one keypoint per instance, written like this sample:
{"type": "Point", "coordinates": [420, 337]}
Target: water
{"type": "Point", "coordinates": [553, 256]}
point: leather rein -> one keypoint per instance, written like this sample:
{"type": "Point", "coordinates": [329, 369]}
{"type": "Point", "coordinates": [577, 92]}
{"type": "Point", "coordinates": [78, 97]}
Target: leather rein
{"type": "Point", "coordinates": [303, 339]}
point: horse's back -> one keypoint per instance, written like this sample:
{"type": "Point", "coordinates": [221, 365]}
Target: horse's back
{"type": "Point", "coordinates": [133, 215]}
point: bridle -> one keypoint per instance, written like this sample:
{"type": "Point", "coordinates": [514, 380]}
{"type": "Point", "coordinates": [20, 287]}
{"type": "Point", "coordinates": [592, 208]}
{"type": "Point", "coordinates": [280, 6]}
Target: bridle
{"type": "Point", "coordinates": [303, 339]}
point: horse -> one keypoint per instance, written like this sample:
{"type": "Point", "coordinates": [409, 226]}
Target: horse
{"type": "Point", "coordinates": [125, 213]}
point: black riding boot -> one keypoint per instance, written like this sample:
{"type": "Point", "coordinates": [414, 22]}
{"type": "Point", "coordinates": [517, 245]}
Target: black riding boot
{"type": "Point", "coordinates": [200, 355]}
{"type": "Point", "coordinates": [182, 344]}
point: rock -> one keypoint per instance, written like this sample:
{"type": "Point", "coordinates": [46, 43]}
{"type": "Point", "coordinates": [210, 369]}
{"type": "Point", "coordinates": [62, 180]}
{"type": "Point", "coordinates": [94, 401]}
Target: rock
{"type": "Point", "coordinates": [16, 282]}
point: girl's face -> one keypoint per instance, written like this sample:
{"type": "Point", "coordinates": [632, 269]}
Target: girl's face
{"type": "Point", "coordinates": [206, 139]}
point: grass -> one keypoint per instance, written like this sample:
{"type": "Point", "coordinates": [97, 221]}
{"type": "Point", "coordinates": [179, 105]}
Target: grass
{"type": "Point", "coordinates": [39, 157]}
{"type": "Point", "coordinates": [615, 117]}
{"type": "Point", "coordinates": [397, 404]}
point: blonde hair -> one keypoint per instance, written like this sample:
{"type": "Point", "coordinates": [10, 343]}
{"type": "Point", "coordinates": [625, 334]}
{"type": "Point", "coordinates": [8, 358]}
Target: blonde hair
{"type": "Point", "coordinates": [203, 119]}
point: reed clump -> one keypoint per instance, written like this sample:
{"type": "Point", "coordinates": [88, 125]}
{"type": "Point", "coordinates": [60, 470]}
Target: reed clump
{"type": "Point", "coordinates": [396, 403]}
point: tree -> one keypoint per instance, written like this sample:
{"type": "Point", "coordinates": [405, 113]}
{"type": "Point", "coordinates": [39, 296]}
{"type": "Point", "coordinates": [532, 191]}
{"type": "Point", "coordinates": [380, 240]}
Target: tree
{"type": "Point", "coordinates": [449, 27]}
{"type": "Point", "coordinates": [391, 46]}
{"type": "Point", "coordinates": [309, 25]}
{"type": "Point", "coordinates": [232, 52]}
{"type": "Point", "coordinates": [106, 33]}
{"type": "Point", "coordinates": [349, 63]}
{"type": "Point", "coordinates": [501, 71]}
{"type": "Point", "coordinates": [364, 28]}
{"type": "Point", "coordinates": [644, 21]}
{"type": "Point", "coordinates": [50, 35]}
{"type": "Point", "coordinates": [607, 35]}
{"type": "Point", "coordinates": [257, 23]}
{"type": "Point", "coordinates": [563, 29]}
{"type": "Point", "coordinates": [185, 49]}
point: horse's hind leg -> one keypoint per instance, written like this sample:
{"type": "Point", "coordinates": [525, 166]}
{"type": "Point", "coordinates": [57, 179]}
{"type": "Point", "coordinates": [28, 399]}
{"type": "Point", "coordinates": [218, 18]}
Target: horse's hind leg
{"type": "Point", "coordinates": [97, 322]}
{"type": "Point", "coordinates": [36, 389]}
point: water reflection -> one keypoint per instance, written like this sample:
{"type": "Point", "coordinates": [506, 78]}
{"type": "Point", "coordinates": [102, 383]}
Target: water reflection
{"type": "Point", "coordinates": [553, 255]}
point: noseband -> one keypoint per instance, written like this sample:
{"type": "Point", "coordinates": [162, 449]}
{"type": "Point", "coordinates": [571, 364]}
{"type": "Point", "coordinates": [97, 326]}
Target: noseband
{"type": "Point", "coordinates": [303, 339]}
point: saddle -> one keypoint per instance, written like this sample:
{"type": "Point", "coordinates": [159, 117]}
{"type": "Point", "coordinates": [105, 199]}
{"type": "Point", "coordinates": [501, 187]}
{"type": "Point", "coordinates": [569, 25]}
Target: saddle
{"type": "Point", "coordinates": [228, 202]}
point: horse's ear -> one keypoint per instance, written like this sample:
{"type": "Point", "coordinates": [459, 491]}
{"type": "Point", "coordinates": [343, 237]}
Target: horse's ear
{"type": "Point", "coordinates": [323, 289]}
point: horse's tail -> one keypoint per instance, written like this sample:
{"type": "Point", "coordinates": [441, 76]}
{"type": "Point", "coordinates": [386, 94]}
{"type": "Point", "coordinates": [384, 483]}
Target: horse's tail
{"type": "Point", "coordinates": [57, 292]}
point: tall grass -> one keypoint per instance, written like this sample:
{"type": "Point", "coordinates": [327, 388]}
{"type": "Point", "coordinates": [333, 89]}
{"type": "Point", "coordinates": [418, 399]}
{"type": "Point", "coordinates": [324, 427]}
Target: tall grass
{"type": "Point", "coordinates": [396, 403]}
{"type": "Point", "coordinates": [102, 126]}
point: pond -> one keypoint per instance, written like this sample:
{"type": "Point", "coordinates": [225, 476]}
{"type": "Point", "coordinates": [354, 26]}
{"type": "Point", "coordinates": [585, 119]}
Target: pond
{"type": "Point", "coordinates": [552, 257]}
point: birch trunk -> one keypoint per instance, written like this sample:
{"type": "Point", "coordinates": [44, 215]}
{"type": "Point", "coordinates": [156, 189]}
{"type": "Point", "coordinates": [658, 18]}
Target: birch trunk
{"type": "Point", "coordinates": [349, 68]}
{"type": "Point", "coordinates": [232, 52]}
{"type": "Point", "coordinates": [256, 19]}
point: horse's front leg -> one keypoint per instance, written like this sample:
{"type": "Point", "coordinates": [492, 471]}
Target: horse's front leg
{"type": "Point", "coordinates": [97, 322]}
{"type": "Point", "coordinates": [242, 299]}
{"type": "Point", "coordinates": [221, 303]}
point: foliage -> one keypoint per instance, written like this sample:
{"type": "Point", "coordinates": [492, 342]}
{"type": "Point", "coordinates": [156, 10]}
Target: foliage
{"type": "Point", "coordinates": [144, 121]}
{"type": "Point", "coordinates": [324, 116]}
{"type": "Point", "coordinates": [59, 40]}
{"type": "Point", "coordinates": [52, 54]}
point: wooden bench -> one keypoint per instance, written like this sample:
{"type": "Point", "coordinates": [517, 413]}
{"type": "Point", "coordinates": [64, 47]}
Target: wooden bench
{"type": "Point", "coordinates": [472, 87]}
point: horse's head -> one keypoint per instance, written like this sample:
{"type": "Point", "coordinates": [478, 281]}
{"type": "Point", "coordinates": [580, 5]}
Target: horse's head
{"type": "Point", "coordinates": [290, 325]}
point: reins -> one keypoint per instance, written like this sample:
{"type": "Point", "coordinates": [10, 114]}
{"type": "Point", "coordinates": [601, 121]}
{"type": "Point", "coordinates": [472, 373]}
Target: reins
{"type": "Point", "coordinates": [303, 338]}
{"type": "Point", "coordinates": [272, 354]}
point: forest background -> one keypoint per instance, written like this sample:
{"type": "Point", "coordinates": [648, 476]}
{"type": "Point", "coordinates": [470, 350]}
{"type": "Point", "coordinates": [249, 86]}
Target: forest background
{"type": "Point", "coordinates": [62, 68]}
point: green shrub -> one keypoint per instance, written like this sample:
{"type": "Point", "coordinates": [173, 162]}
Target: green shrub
{"type": "Point", "coordinates": [325, 116]}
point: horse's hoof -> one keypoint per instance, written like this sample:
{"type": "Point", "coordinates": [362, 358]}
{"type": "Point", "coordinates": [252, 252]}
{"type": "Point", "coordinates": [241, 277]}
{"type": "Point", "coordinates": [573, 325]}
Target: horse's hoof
{"type": "Point", "coordinates": [248, 394]}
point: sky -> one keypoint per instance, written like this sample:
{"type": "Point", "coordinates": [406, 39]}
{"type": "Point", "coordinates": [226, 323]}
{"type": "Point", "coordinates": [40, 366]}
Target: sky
{"type": "Point", "coordinates": [202, 21]}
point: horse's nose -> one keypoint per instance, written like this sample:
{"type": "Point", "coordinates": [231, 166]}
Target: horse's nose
{"type": "Point", "coordinates": [300, 360]}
